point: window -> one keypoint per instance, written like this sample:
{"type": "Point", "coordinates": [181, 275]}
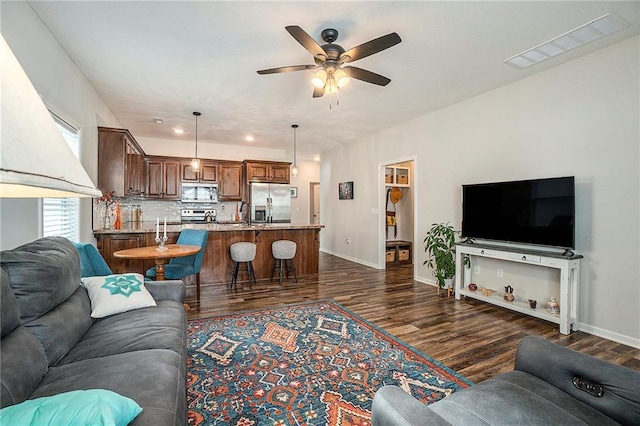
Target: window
{"type": "Point", "coordinates": [61, 216]}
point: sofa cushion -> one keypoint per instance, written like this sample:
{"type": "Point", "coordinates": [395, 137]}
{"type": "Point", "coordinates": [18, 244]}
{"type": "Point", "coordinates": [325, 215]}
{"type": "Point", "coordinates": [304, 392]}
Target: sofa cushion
{"type": "Point", "coordinates": [60, 329]}
{"type": "Point", "coordinates": [114, 294]}
{"type": "Point", "coordinates": [154, 379]}
{"type": "Point", "coordinates": [42, 273]}
{"type": "Point", "coordinates": [96, 407]}
{"type": "Point", "coordinates": [516, 398]}
{"type": "Point", "coordinates": [23, 362]}
{"type": "Point", "coordinates": [160, 327]}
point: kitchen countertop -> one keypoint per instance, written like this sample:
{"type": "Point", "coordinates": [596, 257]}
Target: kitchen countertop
{"type": "Point", "coordinates": [149, 227]}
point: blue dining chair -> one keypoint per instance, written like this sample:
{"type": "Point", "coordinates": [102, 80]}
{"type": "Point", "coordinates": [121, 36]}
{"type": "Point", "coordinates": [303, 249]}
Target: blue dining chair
{"type": "Point", "coordinates": [180, 267]}
{"type": "Point", "coordinates": [92, 264]}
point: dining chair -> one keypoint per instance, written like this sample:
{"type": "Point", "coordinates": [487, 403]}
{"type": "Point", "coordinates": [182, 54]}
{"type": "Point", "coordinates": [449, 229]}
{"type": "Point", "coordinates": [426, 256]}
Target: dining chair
{"type": "Point", "coordinates": [180, 267]}
{"type": "Point", "coordinates": [92, 264]}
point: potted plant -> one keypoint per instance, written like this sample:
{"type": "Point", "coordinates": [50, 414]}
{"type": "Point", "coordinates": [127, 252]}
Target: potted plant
{"type": "Point", "coordinates": [440, 246]}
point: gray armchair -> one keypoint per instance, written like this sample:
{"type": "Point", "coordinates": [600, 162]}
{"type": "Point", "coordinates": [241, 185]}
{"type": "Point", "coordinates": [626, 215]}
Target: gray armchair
{"type": "Point", "coordinates": [550, 384]}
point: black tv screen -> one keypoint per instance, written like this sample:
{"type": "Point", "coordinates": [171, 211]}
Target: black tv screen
{"type": "Point", "coordinates": [537, 211]}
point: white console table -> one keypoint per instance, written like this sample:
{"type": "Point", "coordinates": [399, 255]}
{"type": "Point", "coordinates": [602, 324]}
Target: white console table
{"type": "Point", "coordinates": [569, 267]}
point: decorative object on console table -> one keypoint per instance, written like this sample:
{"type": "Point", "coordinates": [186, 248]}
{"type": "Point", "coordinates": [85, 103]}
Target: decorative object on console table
{"type": "Point", "coordinates": [553, 307]}
{"type": "Point", "coordinates": [345, 191]}
{"type": "Point", "coordinates": [508, 294]}
{"type": "Point", "coordinates": [533, 303]}
{"type": "Point", "coordinates": [473, 287]}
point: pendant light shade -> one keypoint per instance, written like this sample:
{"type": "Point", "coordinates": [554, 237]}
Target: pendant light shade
{"type": "Point", "coordinates": [294, 168]}
{"type": "Point", "coordinates": [35, 160]}
{"type": "Point", "coordinates": [195, 163]}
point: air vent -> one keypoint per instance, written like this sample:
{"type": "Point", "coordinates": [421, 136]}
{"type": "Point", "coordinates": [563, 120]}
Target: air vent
{"type": "Point", "coordinates": [594, 30]}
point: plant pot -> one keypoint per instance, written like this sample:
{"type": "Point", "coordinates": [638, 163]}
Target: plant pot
{"type": "Point", "coordinates": [448, 283]}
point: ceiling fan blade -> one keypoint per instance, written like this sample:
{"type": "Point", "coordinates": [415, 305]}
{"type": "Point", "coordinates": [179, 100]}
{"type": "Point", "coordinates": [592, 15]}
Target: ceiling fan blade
{"type": "Point", "coordinates": [369, 48]}
{"type": "Point", "coordinates": [287, 69]}
{"type": "Point", "coordinates": [318, 92]}
{"type": "Point", "coordinates": [368, 76]}
{"type": "Point", "coordinates": [307, 41]}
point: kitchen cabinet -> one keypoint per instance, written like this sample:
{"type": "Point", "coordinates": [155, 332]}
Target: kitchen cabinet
{"type": "Point", "coordinates": [163, 178]}
{"type": "Point", "coordinates": [267, 171]}
{"type": "Point", "coordinates": [208, 172]}
{"type": "Point", "coordinates": [230, 187]}
{"type": "Point", "coordinates": [109, 243]}
{"type": "Point", "coordinates": [121, 166]}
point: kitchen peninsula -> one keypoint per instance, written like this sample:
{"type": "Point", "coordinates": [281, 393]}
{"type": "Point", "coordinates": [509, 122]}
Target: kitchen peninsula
{"type": "Point", "coordinates": [217, 264]}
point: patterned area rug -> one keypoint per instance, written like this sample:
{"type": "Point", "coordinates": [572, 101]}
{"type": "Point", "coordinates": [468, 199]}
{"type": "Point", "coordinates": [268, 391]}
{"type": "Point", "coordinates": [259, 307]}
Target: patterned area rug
{"type": "Point", "coordinates": [307, 364]}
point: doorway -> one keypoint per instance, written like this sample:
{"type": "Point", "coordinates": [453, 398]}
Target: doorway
{"type": "Point", "coordinates": [314, 203]}
{"type": "Point", "coordinates": [397, 223]}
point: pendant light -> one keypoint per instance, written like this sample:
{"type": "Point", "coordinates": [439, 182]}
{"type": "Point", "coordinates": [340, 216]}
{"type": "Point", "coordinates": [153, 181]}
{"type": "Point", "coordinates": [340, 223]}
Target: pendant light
{"type": "Point", "coordinates": [195, 163]}
{"type": "Point", "coordinates": [294, 169]}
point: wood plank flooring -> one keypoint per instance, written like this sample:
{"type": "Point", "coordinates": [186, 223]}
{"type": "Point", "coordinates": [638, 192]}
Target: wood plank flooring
{"type": "Point", "coordinates": [476, 339]}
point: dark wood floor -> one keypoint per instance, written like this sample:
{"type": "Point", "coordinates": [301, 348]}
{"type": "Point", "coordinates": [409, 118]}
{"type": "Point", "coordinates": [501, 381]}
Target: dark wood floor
{"type": "Point", "coordinates": [474, 338]}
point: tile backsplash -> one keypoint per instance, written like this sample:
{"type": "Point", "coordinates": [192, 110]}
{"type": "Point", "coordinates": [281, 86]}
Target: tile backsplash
{"type": "Point", "coordinates": [152, 209]}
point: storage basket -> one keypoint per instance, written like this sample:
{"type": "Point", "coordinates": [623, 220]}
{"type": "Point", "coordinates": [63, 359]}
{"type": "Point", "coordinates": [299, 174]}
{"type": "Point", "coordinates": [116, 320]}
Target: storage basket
{"type": "Point", "coordinates": [391, 255]}
{"type": "Point", "coordinates": [402, 179]}
{"type": "Point", "coordinates": [388, 179]}
{"type": "Point", "coordinates": [403, 254]}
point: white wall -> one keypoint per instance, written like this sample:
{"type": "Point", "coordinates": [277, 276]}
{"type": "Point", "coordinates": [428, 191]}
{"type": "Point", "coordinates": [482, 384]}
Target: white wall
{"type": "Point", "coordinates": [65, 90]}
{"type": "Point", "coordinates": [308, 171]}
{"type": "Point", "coordinates": [579, 119]}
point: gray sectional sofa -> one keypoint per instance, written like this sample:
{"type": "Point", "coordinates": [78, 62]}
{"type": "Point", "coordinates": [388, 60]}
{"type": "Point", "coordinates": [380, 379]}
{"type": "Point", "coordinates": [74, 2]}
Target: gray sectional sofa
{"type": "Point", "coordinates": [550, 385]}
{"type": "Point", "coordinates": [51, 344]}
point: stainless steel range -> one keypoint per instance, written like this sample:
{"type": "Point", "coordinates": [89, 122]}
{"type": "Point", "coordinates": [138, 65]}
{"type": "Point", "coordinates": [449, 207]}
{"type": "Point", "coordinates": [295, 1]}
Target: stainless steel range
{"type": "Point", "coordinates": [198, 215]}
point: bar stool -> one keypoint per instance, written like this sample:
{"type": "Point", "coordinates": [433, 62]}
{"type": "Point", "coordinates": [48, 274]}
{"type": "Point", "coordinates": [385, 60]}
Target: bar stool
{"type": "Point", "coordinates": [284, 251]}
{"type": "Point", "coordinates": [244, 252]}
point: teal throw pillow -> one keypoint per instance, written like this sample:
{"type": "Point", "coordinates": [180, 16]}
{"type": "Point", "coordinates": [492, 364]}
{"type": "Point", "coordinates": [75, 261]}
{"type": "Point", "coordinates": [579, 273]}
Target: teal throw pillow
{"type": "Point", "coordinates": [95, 407]}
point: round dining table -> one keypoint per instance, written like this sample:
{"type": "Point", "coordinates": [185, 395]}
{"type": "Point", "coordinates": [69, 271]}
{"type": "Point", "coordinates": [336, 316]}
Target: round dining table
{"type": "Point", "coordinates": [161, 257]}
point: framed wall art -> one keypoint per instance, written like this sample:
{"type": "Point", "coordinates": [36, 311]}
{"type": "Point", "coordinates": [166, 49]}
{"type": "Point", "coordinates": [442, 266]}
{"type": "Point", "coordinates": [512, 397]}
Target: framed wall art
{"type": "Point", "coordinates": [294, 192]}
{"type": "Point", "coordinates": [345, 190]}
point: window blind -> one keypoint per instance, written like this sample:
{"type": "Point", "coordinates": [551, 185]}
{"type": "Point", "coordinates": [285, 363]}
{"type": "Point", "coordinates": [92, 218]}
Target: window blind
{"type": "Point", "coordinates": [61, 216]}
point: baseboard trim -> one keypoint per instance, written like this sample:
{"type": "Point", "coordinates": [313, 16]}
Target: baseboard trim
{"type": "Point", "coordinates": [351, 259]}
{"type": "Point", "coordinates": [610, 335]}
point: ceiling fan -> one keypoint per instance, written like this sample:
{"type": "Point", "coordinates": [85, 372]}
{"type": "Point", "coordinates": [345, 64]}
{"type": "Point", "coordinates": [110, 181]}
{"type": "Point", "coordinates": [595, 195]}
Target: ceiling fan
{"type": "Point", "coordinates": [330, 60]}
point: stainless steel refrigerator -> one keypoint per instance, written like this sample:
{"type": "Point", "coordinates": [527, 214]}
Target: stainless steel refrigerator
{"type": "Point", "coordinates": [270, 203]}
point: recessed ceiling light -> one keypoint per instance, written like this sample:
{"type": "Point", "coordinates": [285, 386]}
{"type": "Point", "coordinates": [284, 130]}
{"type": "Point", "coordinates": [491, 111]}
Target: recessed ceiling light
{"type": "Point", "coordinates": [249, 138]}
{"type": "Point", "coordinates": [158, 120]}
{"type": "Point", "coordinates": [178, 131]}
{"type": "Point", "coordinates": [594, 30]}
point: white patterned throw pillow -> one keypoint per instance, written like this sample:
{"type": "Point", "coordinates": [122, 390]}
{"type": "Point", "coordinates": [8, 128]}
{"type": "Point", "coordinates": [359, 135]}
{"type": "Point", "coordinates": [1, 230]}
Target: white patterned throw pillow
{"type": "Point", "coordinates": [113, 294]}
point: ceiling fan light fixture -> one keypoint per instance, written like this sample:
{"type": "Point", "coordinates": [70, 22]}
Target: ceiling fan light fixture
{"type": "Point", "coordinates": [319, 79]}
{"type": "Point", "coordinates": [331, 87]}
{"type": "Point", "coordinates": [341, 78]}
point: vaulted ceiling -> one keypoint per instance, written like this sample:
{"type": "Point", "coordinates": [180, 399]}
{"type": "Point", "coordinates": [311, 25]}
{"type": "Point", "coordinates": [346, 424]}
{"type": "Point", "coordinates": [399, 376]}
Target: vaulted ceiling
{"type": "Point", "coordinates": [167, 59]}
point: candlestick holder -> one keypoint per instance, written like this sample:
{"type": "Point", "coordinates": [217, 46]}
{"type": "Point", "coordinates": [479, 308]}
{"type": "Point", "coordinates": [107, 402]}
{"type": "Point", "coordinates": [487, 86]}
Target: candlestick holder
{"type": "Point", "coordinates": [160, 241]}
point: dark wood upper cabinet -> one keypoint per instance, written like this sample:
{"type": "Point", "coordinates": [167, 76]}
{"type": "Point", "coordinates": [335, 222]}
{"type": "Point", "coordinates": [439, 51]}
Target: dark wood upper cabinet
{"type": "Point", "coordinates": [163, 178]}
{"type": "Point", "coordinates": [267, 171]}
{"type": "Point", "coordinates": [208, 172]}
{"type": "Point", "coordinates": [230, 187]}
{"type": "Point", "coordinates": [120, 163]}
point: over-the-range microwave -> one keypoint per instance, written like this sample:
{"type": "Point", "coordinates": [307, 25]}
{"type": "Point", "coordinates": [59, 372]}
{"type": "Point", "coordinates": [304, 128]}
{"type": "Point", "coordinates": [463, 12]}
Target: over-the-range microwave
{"type": "Point", "coordinates": [199, 193]}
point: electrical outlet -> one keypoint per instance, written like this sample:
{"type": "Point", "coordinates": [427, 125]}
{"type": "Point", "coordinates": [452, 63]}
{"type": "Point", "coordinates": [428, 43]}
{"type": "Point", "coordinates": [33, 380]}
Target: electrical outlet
{"type": "Point", "coordinates": [500, 273]}
{"type": "Point", "coordinates": [476, 270]}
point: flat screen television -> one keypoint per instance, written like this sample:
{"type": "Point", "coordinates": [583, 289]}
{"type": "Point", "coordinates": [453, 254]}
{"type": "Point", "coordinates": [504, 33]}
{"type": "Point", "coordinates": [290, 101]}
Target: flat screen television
{"type": "Point", "coordinates": [536, 211]}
